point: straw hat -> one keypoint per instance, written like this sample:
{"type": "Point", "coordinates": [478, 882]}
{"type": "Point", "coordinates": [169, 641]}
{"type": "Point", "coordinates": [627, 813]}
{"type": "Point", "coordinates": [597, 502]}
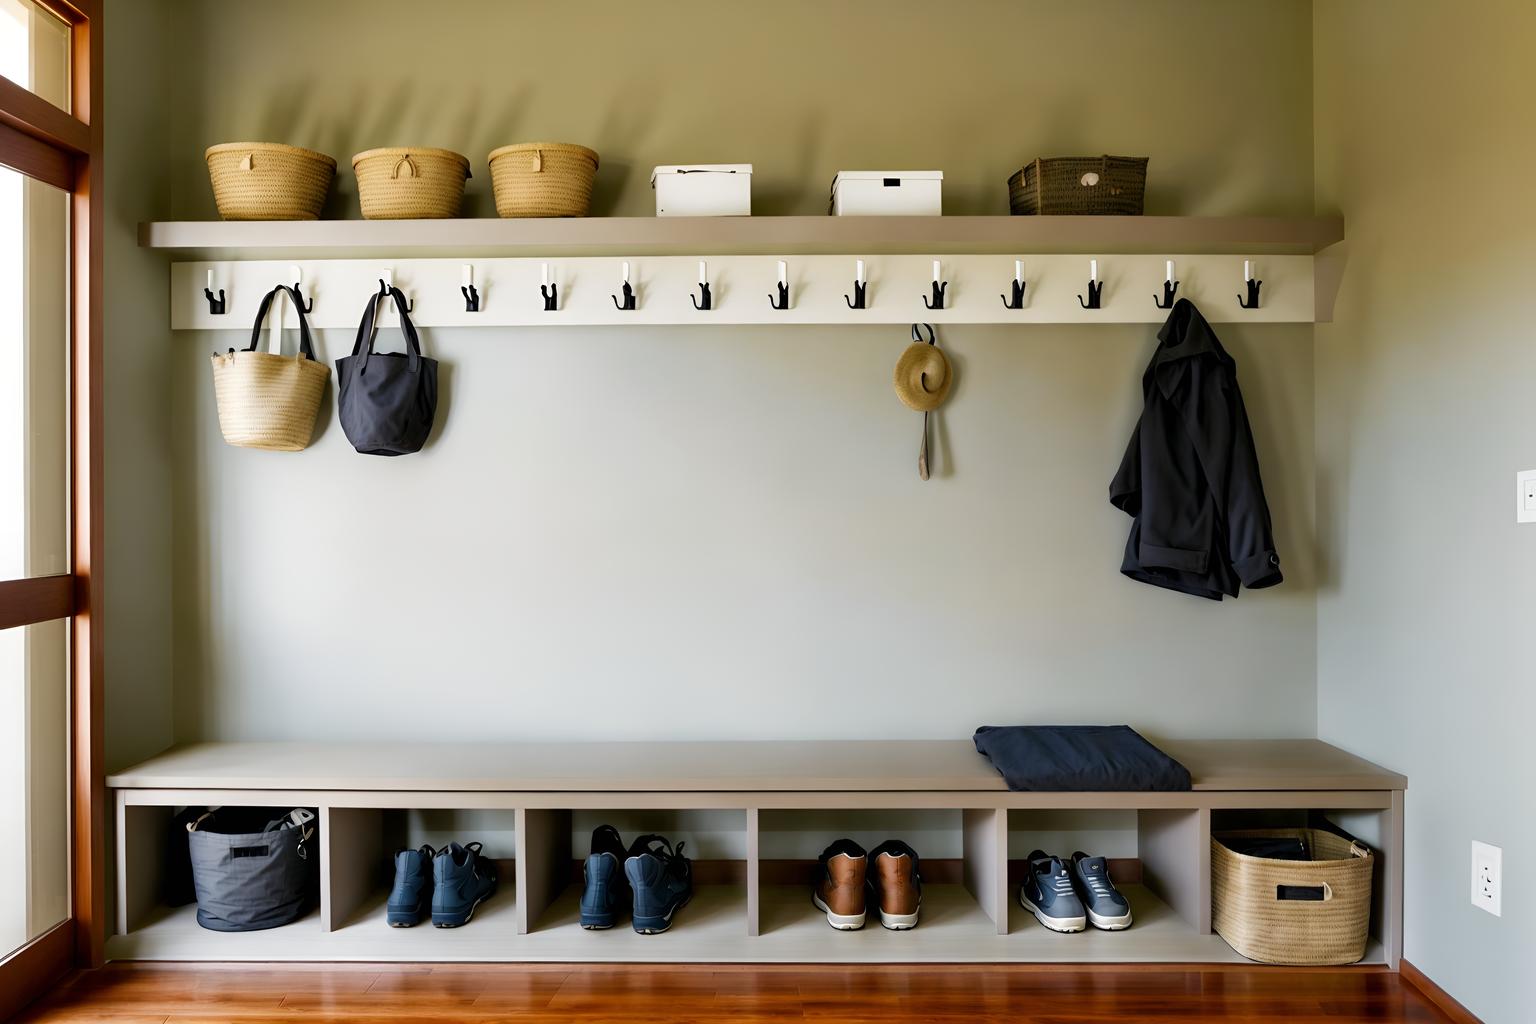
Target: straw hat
{"type": "Point", "coordinates": [923, 377]}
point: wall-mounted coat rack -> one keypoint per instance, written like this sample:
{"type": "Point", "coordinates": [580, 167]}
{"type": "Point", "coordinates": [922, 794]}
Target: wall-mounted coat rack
{"type": "Point", "coordinates": [596, 290]}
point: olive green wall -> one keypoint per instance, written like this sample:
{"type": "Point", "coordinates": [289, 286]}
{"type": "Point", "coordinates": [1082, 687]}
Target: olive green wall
{"type": "Point", "coordinates": [1217, 94]}
{"type": "Point", "coordinates": [1425, 414]}
{"type": "Point", "coordinates": [720, 532]}
{"type": "Point", "coordinates": [138, 355]}
{"type": "Point", "coordinates": [707, 532]}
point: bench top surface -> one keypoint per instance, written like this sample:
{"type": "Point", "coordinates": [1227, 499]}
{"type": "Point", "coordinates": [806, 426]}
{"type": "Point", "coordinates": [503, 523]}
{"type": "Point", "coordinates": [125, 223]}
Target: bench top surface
{"type": "Point", "coordinates": [728, 766]}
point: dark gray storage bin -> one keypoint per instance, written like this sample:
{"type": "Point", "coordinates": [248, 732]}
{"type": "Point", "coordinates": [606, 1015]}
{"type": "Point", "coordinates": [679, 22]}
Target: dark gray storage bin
{"type": "Point", "coordinates": [253, 867]}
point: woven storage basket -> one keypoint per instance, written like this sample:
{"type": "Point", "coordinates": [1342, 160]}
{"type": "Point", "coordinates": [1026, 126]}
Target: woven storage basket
{"type": "Point", "coordinates": [543, 179]}
{"type": "Point", "coordinates": [1250, 911]}
{"type": "Point", "coordinates": [408, 182]}
{"type": "Point", "coordinates": [265, 399]}
{"type": "Point", "coordinates": [268, 180]}
{"type": "Point", "coordinates": [1099, 185]}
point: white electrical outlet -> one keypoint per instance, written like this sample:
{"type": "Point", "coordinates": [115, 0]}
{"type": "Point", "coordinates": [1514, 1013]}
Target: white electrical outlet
{"type": "Point", "coordinates": [1525, 496]}
{"type": "Point", "coordinates": [1487, 872]}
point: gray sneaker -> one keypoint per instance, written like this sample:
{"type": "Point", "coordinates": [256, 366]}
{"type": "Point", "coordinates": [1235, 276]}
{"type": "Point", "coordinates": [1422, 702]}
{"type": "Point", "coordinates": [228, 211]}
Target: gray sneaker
{"type": "Point", "coordinates": [1047, 893]}
{"type": "Point", "coordinates": [1107, 908]}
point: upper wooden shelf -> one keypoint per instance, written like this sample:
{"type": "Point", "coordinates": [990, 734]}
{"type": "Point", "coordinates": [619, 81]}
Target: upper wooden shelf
{"type": "Point", "coordinates": [641, 236]}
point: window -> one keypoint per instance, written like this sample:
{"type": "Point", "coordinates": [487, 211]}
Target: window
{"type": "Point", "coordinates": [34, 378]}
{"type": "Point", "coordinates": [34, 541]}
{"type": "Point", "coordinates": [34, 50]}
{"type": "Point", "coordinates": [52, 798]}
{"type": "Point", "coordinates": [34, 780]}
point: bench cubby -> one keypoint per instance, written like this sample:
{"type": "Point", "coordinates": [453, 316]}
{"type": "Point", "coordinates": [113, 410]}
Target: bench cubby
{"type": "Point", "coordinates": [557, 841]}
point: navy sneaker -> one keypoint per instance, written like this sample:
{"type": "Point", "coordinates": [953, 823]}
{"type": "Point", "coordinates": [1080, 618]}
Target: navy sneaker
{"type": "Point", "coordinates": [411, 896]}
{"type": "Point", "coordinates": [605, 891]}
{"type": "Point", "coordinates": [1047, 893]}
{"type": "Point", "coordinates": [1106, 907]}
{"type": "Point", "coordinates": [461, 880]}
{"type": "Point", "coordinates": [662, 881]}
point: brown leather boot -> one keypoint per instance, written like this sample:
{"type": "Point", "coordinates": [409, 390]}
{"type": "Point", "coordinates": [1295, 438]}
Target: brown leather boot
{"type": "Point", "coordinates": [840, 891]}
{"type": "Point", "coordinates": [898, 887]}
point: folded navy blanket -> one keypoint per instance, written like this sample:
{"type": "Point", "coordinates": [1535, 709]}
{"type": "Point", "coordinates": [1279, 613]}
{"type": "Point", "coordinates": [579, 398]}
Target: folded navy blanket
{"type": "Point", "coordinates": [1078, 758]}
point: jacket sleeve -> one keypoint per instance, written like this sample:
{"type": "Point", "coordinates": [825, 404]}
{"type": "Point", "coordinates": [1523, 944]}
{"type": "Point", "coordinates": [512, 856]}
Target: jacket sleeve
{"type": "Point", "coordinates": [1223, 439]}
{"type": "Point", "coordinates": [1125, 488]}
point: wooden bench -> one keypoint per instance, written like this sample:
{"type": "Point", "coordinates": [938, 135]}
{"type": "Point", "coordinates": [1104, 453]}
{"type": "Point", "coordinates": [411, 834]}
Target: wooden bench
{"type": "Point", "coordinates": [741, 915]}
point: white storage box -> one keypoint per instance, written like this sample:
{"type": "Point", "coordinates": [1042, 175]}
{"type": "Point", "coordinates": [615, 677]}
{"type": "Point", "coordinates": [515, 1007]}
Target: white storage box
{"type": "Point", "coordinates": [888, 194]}
{"type": "Point", "coordinates": [703, 190]}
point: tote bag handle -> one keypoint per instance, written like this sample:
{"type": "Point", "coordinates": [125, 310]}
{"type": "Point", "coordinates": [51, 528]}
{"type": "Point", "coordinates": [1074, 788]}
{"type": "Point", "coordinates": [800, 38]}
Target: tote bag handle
{"type": "Point", "coordinates": [306, 350]}
{"type": "Point", "coordinates": [366, 330]}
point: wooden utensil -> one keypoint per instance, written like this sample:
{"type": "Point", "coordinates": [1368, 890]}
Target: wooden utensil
{"type": "Point", "coordinates": [922, 452]}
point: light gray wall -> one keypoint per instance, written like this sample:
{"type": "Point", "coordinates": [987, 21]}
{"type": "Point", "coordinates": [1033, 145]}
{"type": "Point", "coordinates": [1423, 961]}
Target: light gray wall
{"type": "Point", "coordinates": [721, 533]}
{"type": "Point", "coordinates": [1425, 413]}
{"type": "Point", "coordinates": [699, 533]}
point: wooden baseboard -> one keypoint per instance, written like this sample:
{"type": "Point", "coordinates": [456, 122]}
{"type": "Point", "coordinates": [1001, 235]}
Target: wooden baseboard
{"type": "Point", "coordinates": [1442, 1000]}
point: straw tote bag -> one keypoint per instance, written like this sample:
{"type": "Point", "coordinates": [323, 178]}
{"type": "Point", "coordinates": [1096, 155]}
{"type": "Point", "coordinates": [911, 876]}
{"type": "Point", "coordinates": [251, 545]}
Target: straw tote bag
{"type": "Point", "coordinates": [388, 399]}
{"type": "Point", "coordinates": [268, 400]}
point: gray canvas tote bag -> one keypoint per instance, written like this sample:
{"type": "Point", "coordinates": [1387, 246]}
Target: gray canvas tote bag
{"type": "Point", "coordinates": [249, 876]}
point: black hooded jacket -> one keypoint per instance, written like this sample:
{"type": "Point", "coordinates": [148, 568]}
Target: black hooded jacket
{"type": "Point", "coordinates": [1190, 478]}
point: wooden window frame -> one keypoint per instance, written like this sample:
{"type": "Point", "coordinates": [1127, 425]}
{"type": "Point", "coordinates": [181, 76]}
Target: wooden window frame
{"type": "Point", "coordinates": [65, 149]}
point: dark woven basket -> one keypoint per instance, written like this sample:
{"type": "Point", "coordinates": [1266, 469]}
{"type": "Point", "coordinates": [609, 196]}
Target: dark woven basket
{"type": "Point", "coordinates": [1100, 185]}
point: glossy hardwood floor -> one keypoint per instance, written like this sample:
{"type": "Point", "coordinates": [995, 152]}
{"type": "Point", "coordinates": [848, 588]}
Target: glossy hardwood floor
{"type": "Point", "coordinates": [134, 993]}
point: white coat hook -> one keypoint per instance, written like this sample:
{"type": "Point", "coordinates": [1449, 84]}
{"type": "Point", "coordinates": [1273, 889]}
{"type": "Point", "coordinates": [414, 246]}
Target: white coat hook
{"type": "Point", "coordinates": [1017, 301]}
{"type": "Point", "coordinates": [782, 300]}
{"type": "Point", "coordinates": [860, 296]}
{"type": "Point", "coordinates": [297, 273]}
{"type": "Point", "coordinates": [1170, 286]}
{"type": "Point", "coordinates": [550, 290]}
{"type": "Point", "coordinates": [1252, 285]}
{"type": "Point", "coordinates": [939, 284]}
{"type": "Point", "coordinates": [702, 301]}
{"type": "Point", "coordinates": [387, 283]}
{"type": "Point", "coordinates": [1095, 287]}
{"type": "Point", "coordinates": [471, 297]}
{"type": "Point", "coordinates": [216, 305]}
{"type": "Point", "coordinates": [629, 291]}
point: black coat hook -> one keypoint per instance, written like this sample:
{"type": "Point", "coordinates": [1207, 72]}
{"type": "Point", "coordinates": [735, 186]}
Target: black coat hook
{"type": "Point", "coordinates": [704, 303]}
{"type": "Point", "coordinates": [860, 295]}
{"type": "Point", "coordinates": [1253, 295]}
{"type": "Point", "coordinates": [471, 298]}
{"type": "Point", "coordinates": [1095, 293]}
{"type": "Point", "coordinates": [308, 307]}
{"type": "Point", "coordinates": [1169, 288]}
{"type": "Point", "coordinates": [782, 302]}
{"type": "Point", "coordinates": [216, 306]}
{"type": "Point", "coordinates": [551, 293]}
{"type": "Point", "coordinates": [629, 298]}
{"type": "Point", "coordinates": [1018, 295]}
{"type": "Point", "coordinates": [410, 304]}
{"type": "Point", "coordinates": [938, 295]}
